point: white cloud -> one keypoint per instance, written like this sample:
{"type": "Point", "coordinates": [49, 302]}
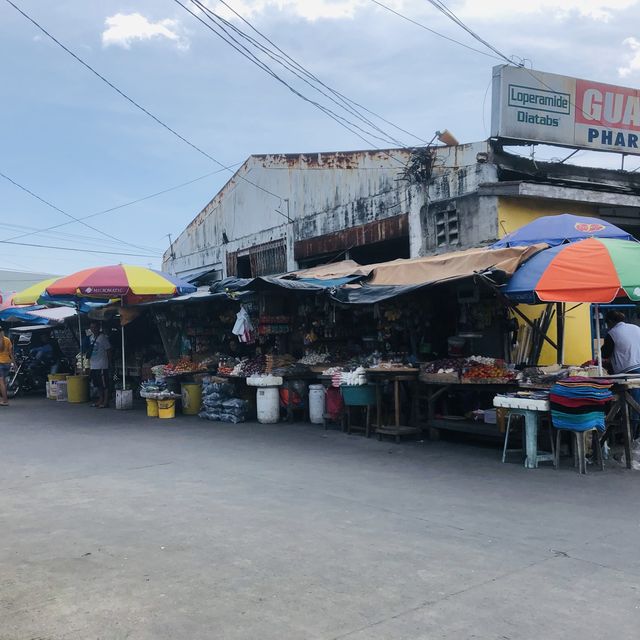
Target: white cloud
{"type": "Point", "coordinates": [122, 29]}
{"type": "Point", "coordinates": [602, 10]}
{"type": "Point", "coordinates": [634, 57]}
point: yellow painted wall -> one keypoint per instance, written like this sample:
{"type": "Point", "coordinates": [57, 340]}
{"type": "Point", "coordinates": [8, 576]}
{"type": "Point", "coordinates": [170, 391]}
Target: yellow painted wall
{"type": "Point", "coordinates": [513, 213]}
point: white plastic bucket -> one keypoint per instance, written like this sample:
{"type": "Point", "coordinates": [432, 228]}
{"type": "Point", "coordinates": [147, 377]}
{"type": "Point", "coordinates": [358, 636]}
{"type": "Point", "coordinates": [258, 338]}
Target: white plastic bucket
{"type": "Point", "coordinates": [316, 403]}
{"type": "Point", "coordinates": [268, 405]}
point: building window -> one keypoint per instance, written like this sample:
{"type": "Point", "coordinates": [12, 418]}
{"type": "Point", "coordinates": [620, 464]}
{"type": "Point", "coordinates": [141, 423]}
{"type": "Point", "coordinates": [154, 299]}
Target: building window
{"type": "Point", "coordinates": [260, 260]}
{"type": "Point", "coordinates": [447, 228]}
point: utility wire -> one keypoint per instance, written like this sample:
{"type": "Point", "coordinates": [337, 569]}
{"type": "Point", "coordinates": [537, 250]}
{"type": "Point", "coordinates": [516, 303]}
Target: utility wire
{"type": "Point", "coordinates": [315, 78]}
{"type": "Point", "coordinates": [111, 253]}
{"type": "Point", "coordinates": [136, 104]}
{"type": "Point", "coordinates": [433, 31]}
{"type": "Point", "coordinates": [122, 206]}
{"type": "Point", "coordinates": [68, 215]}
{"type": "Point", "coordinates": [233, 42]}
{"type": "Point", "coordinates": [440, 6]}
{"type": "Point", "coordinates": [300, 72]}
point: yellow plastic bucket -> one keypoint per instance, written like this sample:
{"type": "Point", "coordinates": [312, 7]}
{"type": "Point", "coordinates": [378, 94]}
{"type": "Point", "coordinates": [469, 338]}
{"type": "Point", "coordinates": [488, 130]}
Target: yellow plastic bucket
{"type": "Point", "coordinates": [166, 409]}
{"type": "Point", "coordinates": [54, 378]}
{"type": "Point", "coordinates": [191, 398]}
{"type": "Point", "coordinates": [152, 408]}
{"type": "Point", "coordinates": [77, 389]}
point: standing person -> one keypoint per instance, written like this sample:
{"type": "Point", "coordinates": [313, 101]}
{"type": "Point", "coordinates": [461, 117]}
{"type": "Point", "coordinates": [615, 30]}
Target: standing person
{"type": "Point", "coordinates": [622, 348]}
{"type": "Point", "coordinates": [100, 363]}
{"type": "Point", "coordinates": [6, 360]}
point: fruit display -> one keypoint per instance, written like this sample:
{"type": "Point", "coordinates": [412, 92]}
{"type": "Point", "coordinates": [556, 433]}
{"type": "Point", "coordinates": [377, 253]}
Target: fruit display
{"type": "Point", "coordinates": [475, 369]}
{"type": "Point", "coordinates": [484, 369]}
{"type": "Point", "coordinates": [182, 366]}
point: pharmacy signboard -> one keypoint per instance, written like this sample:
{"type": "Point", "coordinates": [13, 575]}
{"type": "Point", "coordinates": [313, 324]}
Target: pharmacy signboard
{"type": "Point", "coordinates": [532, 106]}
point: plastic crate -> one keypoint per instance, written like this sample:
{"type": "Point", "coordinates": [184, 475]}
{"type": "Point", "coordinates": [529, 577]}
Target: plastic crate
{"type": "Point", "coordinates": [358, 395]}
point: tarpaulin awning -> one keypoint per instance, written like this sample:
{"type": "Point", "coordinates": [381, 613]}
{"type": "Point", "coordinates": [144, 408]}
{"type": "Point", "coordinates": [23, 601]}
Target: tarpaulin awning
{"type": "Point", "coordinates": [311, 285]}
{"type": "Point", "coordinates": [203, 295]}
{"type": "Point", "coordinates": [399, 277]}
{"type": "Point", "coordinates": [332, 270]}
{"type": "Point", "coordinates": [37, 314]}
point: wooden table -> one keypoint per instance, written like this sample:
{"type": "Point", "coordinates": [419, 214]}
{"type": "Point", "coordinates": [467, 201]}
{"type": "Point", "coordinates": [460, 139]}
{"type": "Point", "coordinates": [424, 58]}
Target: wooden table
{"type": "Point", "coordinates": [620, 414]}
{"type": "Point", "coordinates": [396, 376]}
{"type": "Point", "coordinates": [435, 390]}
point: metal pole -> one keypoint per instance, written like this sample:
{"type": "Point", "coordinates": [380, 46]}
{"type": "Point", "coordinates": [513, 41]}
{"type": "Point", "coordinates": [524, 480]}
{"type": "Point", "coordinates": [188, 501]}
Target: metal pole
{"type": "Point", "coordinates": [597, 313]}
{"type": "Point", "coordinates": [560, 331]}
{"type": "Point", "coordinates": [124, 370]}
{"type": "Point", "coordinates": [80, 338]}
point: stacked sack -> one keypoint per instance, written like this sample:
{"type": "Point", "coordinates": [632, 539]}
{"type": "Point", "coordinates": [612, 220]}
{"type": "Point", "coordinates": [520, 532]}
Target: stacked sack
{"type": "Point", "coordinates": [579, 403]}
{"type": "Point", "coordinates": [219, 404]}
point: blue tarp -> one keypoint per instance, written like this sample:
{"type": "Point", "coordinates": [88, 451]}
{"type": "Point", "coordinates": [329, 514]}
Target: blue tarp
{"type": "Point", "coordinates": [21, 314]}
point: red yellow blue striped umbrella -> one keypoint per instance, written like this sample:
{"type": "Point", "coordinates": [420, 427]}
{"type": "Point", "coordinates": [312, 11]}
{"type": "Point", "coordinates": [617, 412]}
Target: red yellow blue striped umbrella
{"type": "Point", "coordinates": [128, 283]}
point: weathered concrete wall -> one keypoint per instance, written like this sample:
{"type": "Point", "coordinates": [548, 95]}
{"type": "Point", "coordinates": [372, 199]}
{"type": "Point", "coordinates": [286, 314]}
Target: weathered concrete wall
{"type": "Point", "coordinates": [315, 194]}
{"type": "Point", "coordinates": [301, 196]}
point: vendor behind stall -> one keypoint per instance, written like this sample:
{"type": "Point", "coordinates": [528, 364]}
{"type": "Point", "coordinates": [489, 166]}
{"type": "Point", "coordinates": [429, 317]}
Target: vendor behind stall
{"type": "Point", "coordinates": [622, 348]}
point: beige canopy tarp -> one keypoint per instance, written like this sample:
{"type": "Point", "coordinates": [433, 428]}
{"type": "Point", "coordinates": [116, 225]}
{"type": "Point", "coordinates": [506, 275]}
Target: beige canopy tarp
{"type": "Point", "coordinates": [332, 270]}
{"type": "Point", "coordinates": [458, 264]}
{"type": "Point", "coordinates": [391, 279]}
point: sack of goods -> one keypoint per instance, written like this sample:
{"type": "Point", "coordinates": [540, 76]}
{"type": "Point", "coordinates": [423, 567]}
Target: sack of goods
{"type": "Point", "coordinates": [219, 405]}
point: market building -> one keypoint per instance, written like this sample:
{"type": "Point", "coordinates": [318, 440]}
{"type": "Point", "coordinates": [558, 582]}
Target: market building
{"type": "Point", "coordinates": [283, 212]}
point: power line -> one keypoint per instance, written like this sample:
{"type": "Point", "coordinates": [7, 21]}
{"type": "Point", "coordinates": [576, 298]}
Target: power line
{"type": "Point", "coordinates": [111, 253]}
{"type": "Point", "coordinates": [314, 77]}
{"type": "Point", "coordinates": [68, 215]}
{"type": "Point", "coordinates": [240, 48]}
{"type": "Point", "coordinates": [125, 204]}
{"type": "Point", "coordinates": [433, 31]}
{"type": "Point", "coordinates": [440, 6]}
{"type": "Point", "coordinates": [299, 71]}
{"type": "Point", "coordinates": [134, 103]}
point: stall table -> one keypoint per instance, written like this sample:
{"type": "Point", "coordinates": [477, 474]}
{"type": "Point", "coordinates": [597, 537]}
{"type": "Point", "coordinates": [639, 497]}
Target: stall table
{"type": "Point", "coordinates": [618, 416]}
{"type": "Point", "coordinates": [396, 376]}
{"type": "Point", "coordinates": [531, 410]}
{"type": "Point", "coordinates": [436, 389]}
{"type": "Point", "coordinates": [620, 413]}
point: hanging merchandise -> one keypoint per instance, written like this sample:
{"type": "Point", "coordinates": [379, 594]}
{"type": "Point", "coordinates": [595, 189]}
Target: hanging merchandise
{"type": "Point", "coordinates": [243, 327]}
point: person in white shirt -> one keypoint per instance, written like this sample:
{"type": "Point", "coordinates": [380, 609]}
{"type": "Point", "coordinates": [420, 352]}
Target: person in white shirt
{"type": "Point", "coordinates": [622, 348]}
{"type": "Point", "coordinates": [100, 363]}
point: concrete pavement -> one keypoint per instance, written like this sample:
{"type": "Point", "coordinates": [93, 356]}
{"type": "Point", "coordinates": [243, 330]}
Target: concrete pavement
{"type": "Point", "coordinates": [116, 526]}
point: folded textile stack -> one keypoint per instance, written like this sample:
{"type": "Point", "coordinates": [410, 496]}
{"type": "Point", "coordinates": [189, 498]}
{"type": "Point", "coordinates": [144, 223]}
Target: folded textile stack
{"type": "Point", "coordinates": [578, 404]}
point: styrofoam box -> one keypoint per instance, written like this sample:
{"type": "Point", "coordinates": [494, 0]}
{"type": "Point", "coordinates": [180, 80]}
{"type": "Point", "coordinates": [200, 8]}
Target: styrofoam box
{"type": "Point", "coordinates": [521, 403]}
{"type": "Point", "coordinates": [264, 381]}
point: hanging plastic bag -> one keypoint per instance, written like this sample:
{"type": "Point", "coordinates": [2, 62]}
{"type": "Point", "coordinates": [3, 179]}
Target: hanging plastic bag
{"type": "Point", "coordinates": [243, 328]}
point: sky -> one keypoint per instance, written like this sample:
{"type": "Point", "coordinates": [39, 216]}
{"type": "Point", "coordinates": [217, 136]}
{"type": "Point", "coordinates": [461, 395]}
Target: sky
{"type": "Point", "coordinates": [73, 141]}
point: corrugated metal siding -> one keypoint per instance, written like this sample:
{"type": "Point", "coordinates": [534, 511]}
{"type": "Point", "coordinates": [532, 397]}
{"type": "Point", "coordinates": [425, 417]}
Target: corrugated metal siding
{"type": "Point", "coordinates": [265, 259]}
{"type": "Point", "coordinates": [232, 263]}
{"type": "Point", "coordinates": [386, 229]}
{"type": "Point", "coordinates": [269, 258]}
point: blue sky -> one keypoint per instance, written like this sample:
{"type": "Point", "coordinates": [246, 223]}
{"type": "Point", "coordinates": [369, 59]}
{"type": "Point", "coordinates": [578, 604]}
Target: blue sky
{"type": "Point", "coordinates": [73, 141]}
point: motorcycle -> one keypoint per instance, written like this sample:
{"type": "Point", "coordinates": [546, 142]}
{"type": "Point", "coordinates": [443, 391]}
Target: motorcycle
{"type": "Point", "coordinates": [30, 375]}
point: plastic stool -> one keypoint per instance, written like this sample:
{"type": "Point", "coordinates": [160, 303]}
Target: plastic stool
{"type": "Point", "coordinates": [579, 459]}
